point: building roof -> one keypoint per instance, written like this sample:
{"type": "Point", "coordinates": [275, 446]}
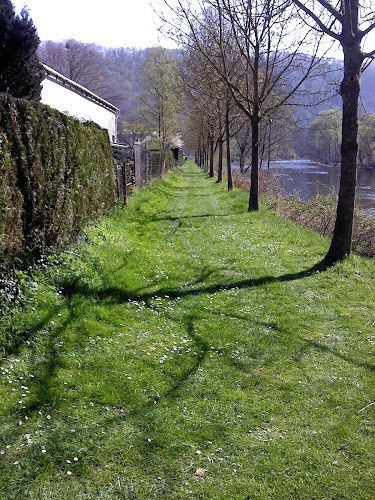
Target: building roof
{"type": "Point", "coordinates": [57, 77]}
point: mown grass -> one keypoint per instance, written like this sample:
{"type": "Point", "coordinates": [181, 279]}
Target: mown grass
{"type": "Point", "coordinates": [187, 334]}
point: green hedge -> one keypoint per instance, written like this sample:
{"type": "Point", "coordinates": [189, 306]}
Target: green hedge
{"type": "Point", "coordinates": [56, 174]}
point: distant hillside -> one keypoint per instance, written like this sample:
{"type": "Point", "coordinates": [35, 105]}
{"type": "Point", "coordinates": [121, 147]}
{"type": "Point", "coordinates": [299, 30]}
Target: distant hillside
{"type": "Point", "coordinates": [323, 91]}
{"type": "Point", "coordinates": [114, 75]}
{"type": "Point", "coordinates": [368, 90]}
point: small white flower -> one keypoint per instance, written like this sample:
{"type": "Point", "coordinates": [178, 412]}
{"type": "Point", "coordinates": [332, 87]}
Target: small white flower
{"type": "Point", "coordinates": [16, 462]}
{"type": "Point", "coordinates": [91, 404]}
{"type": "Point", "coordinates": [68, 462]}
{"type": "Point", "coordinates": [44, 451]}
{"type": "Point", "coordinates": [198, 452]}
{"type": "Point", "coordinates": [69, 472]}
{"type": "Point", "coordinates": [49, 417]}
{"type": "Point", "coordinates": [2, 452]}
{"type": "Point", "coordinates": [75, 459]}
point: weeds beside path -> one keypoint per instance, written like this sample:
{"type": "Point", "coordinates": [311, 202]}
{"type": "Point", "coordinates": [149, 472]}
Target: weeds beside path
{"type": "Point", "coordinates": [188, 349]}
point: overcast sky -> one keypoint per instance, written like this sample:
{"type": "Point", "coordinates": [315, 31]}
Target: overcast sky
{"type": "Point", "coordinates": [111, 23]}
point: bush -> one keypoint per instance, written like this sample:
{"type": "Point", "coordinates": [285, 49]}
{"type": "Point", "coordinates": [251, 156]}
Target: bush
{"type": "Point", "coordinates": [320, 214]}
{"type": "Point", "coordinates": [56, 174]}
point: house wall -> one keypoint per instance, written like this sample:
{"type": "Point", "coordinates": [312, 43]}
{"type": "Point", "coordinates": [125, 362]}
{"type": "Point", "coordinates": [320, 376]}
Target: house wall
{"type": "Point", "coordinates": [65, 99]}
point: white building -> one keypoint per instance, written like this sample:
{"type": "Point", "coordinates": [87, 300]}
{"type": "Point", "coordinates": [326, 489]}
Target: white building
{"type": "Point", "coordinates": [74, 100]}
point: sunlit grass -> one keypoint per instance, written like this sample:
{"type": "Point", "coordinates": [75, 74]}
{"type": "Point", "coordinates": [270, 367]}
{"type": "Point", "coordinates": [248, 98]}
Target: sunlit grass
{"type": "Point", "coordinates": [187, 334]}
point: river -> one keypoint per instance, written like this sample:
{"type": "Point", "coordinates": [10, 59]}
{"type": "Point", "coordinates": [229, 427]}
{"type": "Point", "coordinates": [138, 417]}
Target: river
{"type": "Point", "coordinates": [309, 178]}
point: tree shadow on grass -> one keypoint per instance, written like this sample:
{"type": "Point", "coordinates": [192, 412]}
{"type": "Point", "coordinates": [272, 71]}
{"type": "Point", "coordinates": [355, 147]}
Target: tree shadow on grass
{"type": "Point", "coordinates": [141, 414]}
{"type": "Point", "coordinates": [334, 352]}
{"type": "Point", "coordinates": [118, 295]}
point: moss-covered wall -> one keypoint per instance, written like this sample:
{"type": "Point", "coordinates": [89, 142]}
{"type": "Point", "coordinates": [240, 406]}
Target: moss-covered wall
{"type": "Point", "coordinates": [56, 174]}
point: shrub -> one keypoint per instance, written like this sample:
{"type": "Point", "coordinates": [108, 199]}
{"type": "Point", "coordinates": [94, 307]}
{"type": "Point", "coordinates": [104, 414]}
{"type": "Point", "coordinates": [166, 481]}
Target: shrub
{"type": "Point", "coordinates": [56, 175]}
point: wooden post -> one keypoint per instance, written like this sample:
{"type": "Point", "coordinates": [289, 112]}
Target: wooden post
{"type": "Point", "coordinates": [137, 164]}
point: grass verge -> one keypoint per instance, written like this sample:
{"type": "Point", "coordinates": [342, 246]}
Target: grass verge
{"type": "Point", "coordinates": [189, 349]}
{"type": "Point", "coordinates": [319, 213]}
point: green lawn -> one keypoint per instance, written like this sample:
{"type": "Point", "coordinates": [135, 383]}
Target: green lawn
{"type": "Point", "coordinates": [187, 334]}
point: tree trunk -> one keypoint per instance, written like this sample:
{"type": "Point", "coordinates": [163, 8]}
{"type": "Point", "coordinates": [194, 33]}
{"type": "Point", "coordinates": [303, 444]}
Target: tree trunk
{"type": "Point", "coordinates": [242, 161]}
{"type": "Point", "coordinates": [220, 161]}
{"type": "Point", "coordinates": [227, 138]}
{"type": "Point", "coordinates": [162, 164]}
{"type": "Point", "coordinates": [254, 197]}
{"type": "Point", "coordinates": [212, 157]}
{"type": "Point", "coordinates": [269, 145]}
{"type": "Point", "coordinates": [350, 90]}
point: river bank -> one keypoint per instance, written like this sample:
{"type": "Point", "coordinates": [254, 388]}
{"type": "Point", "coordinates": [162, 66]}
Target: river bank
{"type": "Point", "coordinates": [307, 179]}
{"type": "Point", "coordinates": [317, 211]}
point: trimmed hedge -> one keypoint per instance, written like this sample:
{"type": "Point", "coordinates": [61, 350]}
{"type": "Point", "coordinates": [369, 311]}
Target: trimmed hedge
{"type": "Point", "coordinates": [56, 174]}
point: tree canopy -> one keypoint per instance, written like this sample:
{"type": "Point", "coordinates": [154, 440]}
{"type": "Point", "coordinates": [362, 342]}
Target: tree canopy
{"type": "Point", "coordinates": [21, 72]}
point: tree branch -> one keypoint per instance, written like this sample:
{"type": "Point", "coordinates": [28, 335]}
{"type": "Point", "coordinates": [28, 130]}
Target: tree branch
{"type": "Point", "coordinates": [367, 30]}
{"type": "Point", "coordinates": [321, 25]}
{"type": "Point", "coordinates": [331, 9]}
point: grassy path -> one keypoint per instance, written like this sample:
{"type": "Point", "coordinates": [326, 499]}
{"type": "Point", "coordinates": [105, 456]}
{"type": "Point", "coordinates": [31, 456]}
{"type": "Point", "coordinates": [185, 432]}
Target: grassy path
{"type": "Point", "coordinates": [187, 335]}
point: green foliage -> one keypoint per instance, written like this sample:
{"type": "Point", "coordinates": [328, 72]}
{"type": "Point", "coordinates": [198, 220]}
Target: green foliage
{"type": "Point", "coordinates": [325, 137]}
{"type": "Point", "coordinates": [21, 73]}
{"type": "Point", "coordinates": [56, 174]}
{"type": "Point", "coordinates": [158, 102]}
{"type": "Point", "coordinates": [11, 225]}
{"type": "Point", "coordinates": [366, 137]}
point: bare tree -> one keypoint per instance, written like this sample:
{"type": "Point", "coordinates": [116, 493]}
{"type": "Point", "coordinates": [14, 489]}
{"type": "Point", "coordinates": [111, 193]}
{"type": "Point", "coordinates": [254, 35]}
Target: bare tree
{"type": "Point", "coordinates": [159, 100]}
{"type": "Point", "coordinates": [82, 63]}
{"type": "Point", "coordinates": [206, 96]}
{"type": "Point", "coordinates": [347, 22]}
{"type": "Point", "coordinates": [252, 48]}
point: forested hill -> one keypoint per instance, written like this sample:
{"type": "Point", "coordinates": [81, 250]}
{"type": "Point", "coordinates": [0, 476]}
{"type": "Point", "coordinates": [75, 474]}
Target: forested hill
{"type": "Point", "coordinates": [114, 74]}
{"type": "Point", "coordinates": [368, 89]}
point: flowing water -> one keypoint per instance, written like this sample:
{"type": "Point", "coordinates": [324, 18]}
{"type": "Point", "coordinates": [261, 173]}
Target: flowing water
{"type": "Point", "coordinates": [308, 178]}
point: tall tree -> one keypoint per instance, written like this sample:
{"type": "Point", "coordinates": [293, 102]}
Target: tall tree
{"type": "Point", "coordinates": [205, 96]}
{"type": "Point", "coordinates": [325, 137]}
{"type": "Point", "coordinates": [253, 50]}
{"type": "Point", "coordinates": [159, 100]}
{"type": "Point", "coordinates": [83, 63]}
{"type": "Point", "coordinates": [348, 22]}
{"type": "Point", "coordinates": [21, 73]}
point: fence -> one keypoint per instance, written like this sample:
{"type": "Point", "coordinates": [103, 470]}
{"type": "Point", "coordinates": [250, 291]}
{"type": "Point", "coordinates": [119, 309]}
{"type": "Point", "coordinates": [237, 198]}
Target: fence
{"type": "Point", "coordinates": [133, 168]}
{"type": "Point", "coordinates": [136, 165]}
